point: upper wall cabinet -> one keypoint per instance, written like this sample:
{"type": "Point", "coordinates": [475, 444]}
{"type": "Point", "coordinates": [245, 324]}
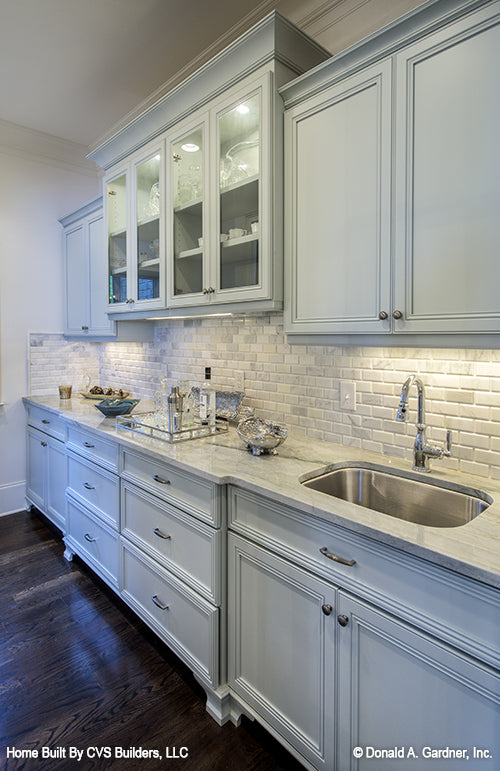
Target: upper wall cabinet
{"type": "Point", "coordinates": [134, 215]}
{"type": "Point", "coordinates": [85, 274]}
{"type": "Point", "coordinates": [393, 183]}
{"type": "Point", "coordinates": [220, 227]}
{"type": "Point", "coordinates": [219, 186]}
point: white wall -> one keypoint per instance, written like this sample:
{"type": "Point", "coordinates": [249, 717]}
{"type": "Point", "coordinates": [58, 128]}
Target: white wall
{"type": "Point", "coordinates": [41, 179]}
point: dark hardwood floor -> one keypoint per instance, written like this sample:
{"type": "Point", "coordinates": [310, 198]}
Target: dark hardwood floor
{"type": "Point", "coordinates": [79, 670]}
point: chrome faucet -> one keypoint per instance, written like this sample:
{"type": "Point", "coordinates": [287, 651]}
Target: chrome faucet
{"type": "Point", "coordinates": [421, 451]}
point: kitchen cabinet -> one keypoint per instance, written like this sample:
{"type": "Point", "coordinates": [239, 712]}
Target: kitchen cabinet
{"type": "Point", "coordinates": [134, 213]}
{"type": "Point", "coordinates": [85, 274]}
{"type": "Point", "coordinates": [391, 173]}
{"type": "Point", "coordinates": [220, 225]}
{"type": "Point", "coordinates": [171, 563]}
{"type": "Point", "coordinates": [93, 504]}
{"type": "Point", "coordinates": [46, 470]}
{"type": "Point", "coordinates": [223, 187]}
{"type": "Point", "coordinates": [382, 646]}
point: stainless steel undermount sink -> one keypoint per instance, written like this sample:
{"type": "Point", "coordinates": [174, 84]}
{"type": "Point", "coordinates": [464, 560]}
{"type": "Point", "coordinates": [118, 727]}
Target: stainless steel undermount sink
{"type": "Point", "coordinates": [401, 494]}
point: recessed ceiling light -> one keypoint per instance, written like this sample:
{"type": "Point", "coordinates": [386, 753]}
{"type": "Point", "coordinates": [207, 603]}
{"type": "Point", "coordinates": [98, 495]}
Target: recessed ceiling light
{"type": "Point", "coordinates": [243, 109]}
{"type": "Point", "coordinates": [190, 147]}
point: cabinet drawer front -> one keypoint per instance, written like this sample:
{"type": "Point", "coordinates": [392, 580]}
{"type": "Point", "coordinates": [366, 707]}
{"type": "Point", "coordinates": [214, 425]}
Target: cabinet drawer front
{"type": "Point", "coordinates": [94, 541]}
{"type": "Point", "coordinates": [187, 623]}
{"type": "Point", "coordinates": [100, 450]}
{"type": "Point", "coordinates": [441, 601]}
{"type": "Point", "coordinates": [196, 496]}
{"type": "Point", "coordinates": [183, 544]}
{"type": "Point", "coordinates": [94, 487]}
{"type": "Point", "coordinates": [47, 421]}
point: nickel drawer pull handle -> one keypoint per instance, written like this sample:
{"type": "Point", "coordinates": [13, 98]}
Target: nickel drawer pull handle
{"type": "Point", "coordinates": [160, 480]}
{"type": "Point", "coordinates": [158, 603]}
{"type": "Point", "coordinates": [44, 420]}
{"type": "Point", "coordinates": [335, 558]}
{"type": "Point", "coordinates": [90, 446]}
{"type": "Point", "coordinates": [89, 538]}
{"type": "Point", "coordinates": [158, 532]}
{"type": "Point", "coordinates": [88, 486]}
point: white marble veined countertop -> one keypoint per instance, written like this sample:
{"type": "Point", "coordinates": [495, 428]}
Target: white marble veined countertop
{"type": "Point", "coordinates": [472, 549]}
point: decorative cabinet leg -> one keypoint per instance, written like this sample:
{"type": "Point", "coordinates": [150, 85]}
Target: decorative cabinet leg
{"type": "Point", "coordinates": [221, 705]}
{"type": "Point", "coordinates": [68, 552]}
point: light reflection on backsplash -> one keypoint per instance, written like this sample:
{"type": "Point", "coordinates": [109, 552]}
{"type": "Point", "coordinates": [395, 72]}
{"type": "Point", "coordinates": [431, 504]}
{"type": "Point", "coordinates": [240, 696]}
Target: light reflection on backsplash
{"type": "Point", "coordinates": [299, 384]}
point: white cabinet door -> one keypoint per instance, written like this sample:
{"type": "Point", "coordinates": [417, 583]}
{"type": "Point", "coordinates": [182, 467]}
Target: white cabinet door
{"type": "Point", "coordinates": [448, 179]}
{"type": "Point", "coordinates": [401, 689]}
{"type": "Point", "coordinates": [86, 293]}
{"type": "Point", "coordinates": [46, 476]}
{"type": "Point", "coordinates": [134, 217]}
{"type": "Point", "coordinates": [281, 648]}
{"type": "Point", "coordinates": [337, 204]}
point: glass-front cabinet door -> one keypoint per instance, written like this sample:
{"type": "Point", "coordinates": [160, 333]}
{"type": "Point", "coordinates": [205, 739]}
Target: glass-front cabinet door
{"type": "Point", "coordinates": [239, 152]}
{"type": "Point", "coordinates": [147, 231]}
{"type": "Point", "coordinates": [187, 236]}
{"type": "Point", "coordinates": [135, 232]}
{"type": "Point", "coordinates": [117, 222]}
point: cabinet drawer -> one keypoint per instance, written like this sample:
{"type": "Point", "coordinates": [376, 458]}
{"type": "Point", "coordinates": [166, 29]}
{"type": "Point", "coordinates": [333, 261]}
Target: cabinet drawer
{"type": "Point", "coordinates": [94, 541]}
{"type": "Point", "coordinates": [434, 598]}
{"type": "Point", "coordinates": [196, 496]}
{"type": "Point", "coordinates": [185, 621]}
{"type": "Point", "coordinates": [183, 544]}
{"type": "Point", "coordinates": [105, 453]}
{"type": "Point", "coordinates": [95, 488]}
{"type": "Point", "coordinates": [47, 421]}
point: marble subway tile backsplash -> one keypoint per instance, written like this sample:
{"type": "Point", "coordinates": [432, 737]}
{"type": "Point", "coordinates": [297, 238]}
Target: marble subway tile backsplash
{"type": "Point", "coordinates": [300, 385]}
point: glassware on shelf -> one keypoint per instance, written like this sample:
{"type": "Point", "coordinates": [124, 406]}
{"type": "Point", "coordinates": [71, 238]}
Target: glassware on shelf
{"type": "Point", "coordinates": [240, 162]}
{"type": "Point", "coordinates": [152, 208]}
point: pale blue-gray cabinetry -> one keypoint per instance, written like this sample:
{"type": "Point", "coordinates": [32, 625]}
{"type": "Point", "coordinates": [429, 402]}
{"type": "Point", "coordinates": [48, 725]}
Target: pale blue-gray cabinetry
{"type": "Point", "coordinates": [373, 649]}
{"type": "Point", "coordinates": [85, 273]}
{"type": "Point", "coordinates": [223, 183]}
{"type": "Point", "coordinates": [46, 468]}
{"type": "Point", "coordinates": [392, 178]}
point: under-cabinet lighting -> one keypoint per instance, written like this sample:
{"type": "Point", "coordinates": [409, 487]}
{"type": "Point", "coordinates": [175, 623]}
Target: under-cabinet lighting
{"type": "Point", "coordinates": [190, 147]}
{"type": "Point", "coordinates": [243, 109]}
{"type": "Point", "coordinates": [191, 316]}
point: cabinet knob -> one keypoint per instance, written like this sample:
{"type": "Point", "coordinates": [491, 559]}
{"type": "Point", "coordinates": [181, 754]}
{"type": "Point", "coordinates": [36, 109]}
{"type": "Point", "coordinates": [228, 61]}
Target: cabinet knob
{"type": "Point", "coordinates": [84, 327]}
{"type": "Point", "coordinates": [327, 609]}
{"type": "Point", "coordinates": [205, 291]}
{"type": "Point", "coordinates": [211, 290]}
{"type": "Point", "coordinates": [383, 315]}
{"type": "Point", "coordinates": [397, 314]}
{"type": "Point", "coordinates": [343, 620]}
{"type": "Point", "coordinates": [44, 444]}
{"type": "Point", "coordinates": [129, 300]}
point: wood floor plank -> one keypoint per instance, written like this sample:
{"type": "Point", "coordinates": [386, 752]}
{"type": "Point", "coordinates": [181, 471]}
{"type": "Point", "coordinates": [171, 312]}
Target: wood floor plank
{"type": "Point", "coordinates": [79, 669]}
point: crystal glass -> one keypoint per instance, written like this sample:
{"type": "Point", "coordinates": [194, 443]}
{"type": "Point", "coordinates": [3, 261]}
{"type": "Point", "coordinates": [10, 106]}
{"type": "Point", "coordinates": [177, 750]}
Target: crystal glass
{"type": "Point", "coordinates": [187, 180]}
{"type": "Point", "coordinates": [148, 206]}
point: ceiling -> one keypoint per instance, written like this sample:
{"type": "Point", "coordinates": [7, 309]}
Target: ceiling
{"type": "Point", "coordinates": [74, 68]}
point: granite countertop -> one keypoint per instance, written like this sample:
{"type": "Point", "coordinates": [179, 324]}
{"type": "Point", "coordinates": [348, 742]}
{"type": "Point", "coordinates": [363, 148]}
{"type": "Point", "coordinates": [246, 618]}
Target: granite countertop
{"type": "Point", "coordinates": [472, 549]}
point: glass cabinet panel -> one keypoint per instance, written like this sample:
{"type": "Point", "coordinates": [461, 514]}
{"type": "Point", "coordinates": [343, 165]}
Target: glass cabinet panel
{"type": "Point", "coordinates": [117, 238]}
{"type": "Point", "coordinates": [187, 185]}
{"type": "Point", "coordinates": [239, 153]}
{"type": "Point", "coordinates": [148, 228]}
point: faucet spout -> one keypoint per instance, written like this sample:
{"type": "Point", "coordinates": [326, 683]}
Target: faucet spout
{"type": "Point", "coordinates": [421, 450]}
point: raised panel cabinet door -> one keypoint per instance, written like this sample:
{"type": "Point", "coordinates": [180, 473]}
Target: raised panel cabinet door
{"type": "Point", "coordinates": [56, 483]}
{"type": "Point", "coordinates": [402, 690]}
{"type": "Point", "coordinates": [36, 468]}
{"type": "Point", "coordinates": [281, 648]}
{"type": "Point", "coordinates": [448, 179]}
{"type": "Point", "coordinates": [77, 279]}
{"type": "Point", "coordinates": [337, 207]}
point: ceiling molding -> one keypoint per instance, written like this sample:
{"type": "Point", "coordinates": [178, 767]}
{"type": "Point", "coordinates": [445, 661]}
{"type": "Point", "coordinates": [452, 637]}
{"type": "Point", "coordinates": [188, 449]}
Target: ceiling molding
{"type": "Point", "coordinates": [238, 29]}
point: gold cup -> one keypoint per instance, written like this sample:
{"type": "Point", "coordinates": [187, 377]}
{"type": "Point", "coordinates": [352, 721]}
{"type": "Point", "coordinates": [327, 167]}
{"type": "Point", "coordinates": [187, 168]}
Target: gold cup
{"type": "Point", "coordinates": [65, 392]}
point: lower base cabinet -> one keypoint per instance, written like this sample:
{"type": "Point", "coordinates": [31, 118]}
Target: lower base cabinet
{"type": "Point", "coordinates": [341, 682]}
{"type": "Point", "coordinates": [46, 475]}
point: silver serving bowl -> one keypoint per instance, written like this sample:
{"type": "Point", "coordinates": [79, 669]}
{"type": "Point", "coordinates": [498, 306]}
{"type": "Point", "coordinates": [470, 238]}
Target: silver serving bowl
{"type": "Point", "coordinates": [261, 437]}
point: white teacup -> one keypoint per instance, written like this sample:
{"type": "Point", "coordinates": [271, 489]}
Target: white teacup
{"type": "Point", "coordinates": [237, 232]}
{"type": "Point", "coordinates": [255, 227]}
